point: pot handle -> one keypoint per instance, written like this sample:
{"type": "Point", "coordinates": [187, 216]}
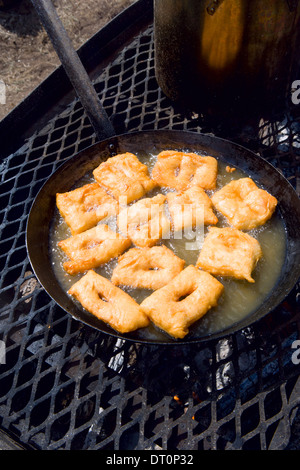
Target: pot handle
{"type": "Point", "coordinates": [74, 69]}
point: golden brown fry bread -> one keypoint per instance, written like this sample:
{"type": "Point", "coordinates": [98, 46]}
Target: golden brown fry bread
{"type": "Point", "coordinates": [229, 252]}
{"type": "Point", "coordinates": [124, 176]}
{"type": "Point", "coordinates": [92, 248]}
{"type": "Point", "coordinates": [108, 303]}
{"type": "Point", "coordinates": [165, 308]}
{"type": "Point", "coordinates": [148, 268]}
{"type": "Point", "coordinates": [180, 170]}
{"type": "Point", "coordinates": [84, 207]}
{"type": "Point", "coordinates": [244, 204]}
{"type": "Point", "coordinates": [191, 208]}
{"type": "Point", "coordinates": [145, 222]}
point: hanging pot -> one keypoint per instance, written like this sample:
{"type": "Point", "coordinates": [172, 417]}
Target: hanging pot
{"type": "Point", "coordinates": [219, 56]}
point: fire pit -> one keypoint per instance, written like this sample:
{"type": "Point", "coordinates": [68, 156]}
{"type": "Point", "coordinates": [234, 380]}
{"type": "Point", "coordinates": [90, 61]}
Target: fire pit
{"type": "Point", "coordinates": [64, 385]}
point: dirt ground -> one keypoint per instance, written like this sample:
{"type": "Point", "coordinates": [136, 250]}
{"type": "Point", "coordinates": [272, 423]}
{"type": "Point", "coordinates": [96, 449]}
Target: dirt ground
{"type": "Point", "coordinates": [26, 53]}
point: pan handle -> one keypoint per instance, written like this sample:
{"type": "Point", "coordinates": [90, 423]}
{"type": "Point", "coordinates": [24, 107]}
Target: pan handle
{"type": "Point", "coordinates": [74, 68]}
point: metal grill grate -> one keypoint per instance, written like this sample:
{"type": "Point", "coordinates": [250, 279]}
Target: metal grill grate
{"type": "Point", "coordinates": [65, 386]}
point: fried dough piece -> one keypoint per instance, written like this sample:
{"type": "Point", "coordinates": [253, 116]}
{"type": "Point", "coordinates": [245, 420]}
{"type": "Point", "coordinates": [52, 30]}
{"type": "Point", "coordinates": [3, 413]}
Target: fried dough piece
{"type": "Point", "coordinates": [179, 170]}
{"type": "Point", "coordinates": [108, 303]}
{"type": "Point", "coordinates": [191, 208]}
{"type": "Point", "coordinates": [230, 169]}
{"type": "Point", "coordinates": [92, 248]}
{"type": "Point", "coordinates": [84, 207]}
{"type": "Point", "coordinates": [124, 176]}
{"type": "Point", "coordinates": [147, 268]}
{"type": "Point", "coordinates": [165, 308]}
{"type": "Point", "coordinates": [244, 204]}
{"type": "Point", "coordinates": [145, 222]}
{"type": "Point", "coordinates": [229, 252]}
